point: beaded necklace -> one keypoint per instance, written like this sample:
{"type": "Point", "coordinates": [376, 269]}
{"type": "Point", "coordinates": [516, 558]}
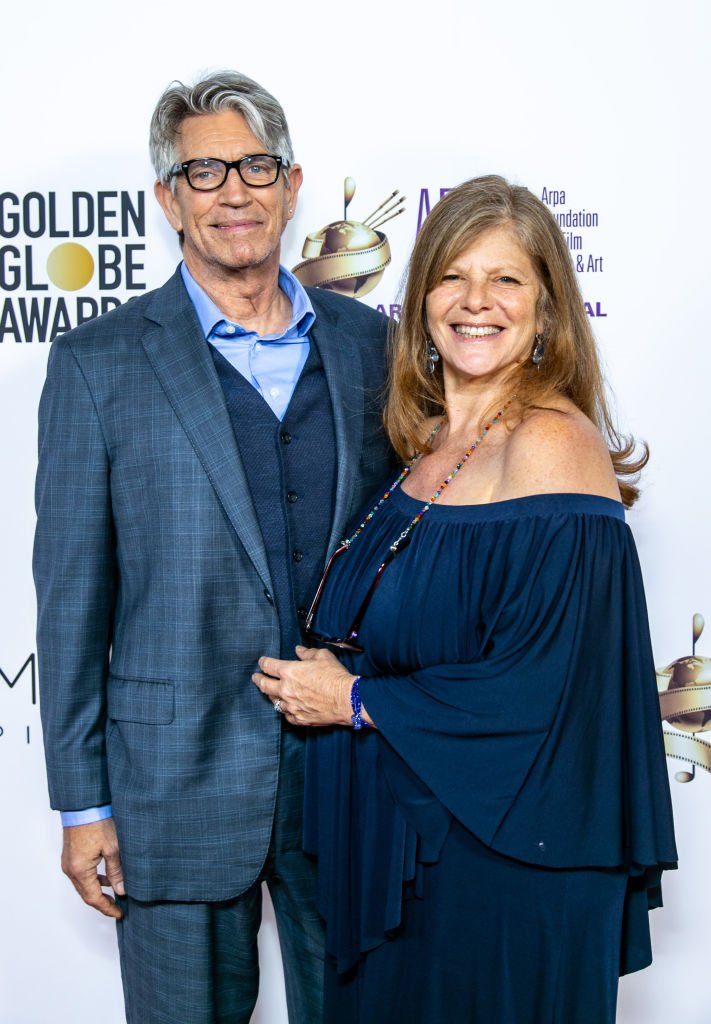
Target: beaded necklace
{"type": "Point", "coordinates": [433, 498]}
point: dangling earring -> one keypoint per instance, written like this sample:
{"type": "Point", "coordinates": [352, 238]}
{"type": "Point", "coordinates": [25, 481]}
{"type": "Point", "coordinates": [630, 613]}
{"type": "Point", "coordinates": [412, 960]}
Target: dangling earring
{"type": "Point", "coordinates": [432, 356]}
{"type": "Point", "coordinates": [539, 350]}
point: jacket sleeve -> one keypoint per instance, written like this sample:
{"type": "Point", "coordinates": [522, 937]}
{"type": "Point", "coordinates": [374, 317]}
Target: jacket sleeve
{"type": "Point", "coordinates": [75, 577]}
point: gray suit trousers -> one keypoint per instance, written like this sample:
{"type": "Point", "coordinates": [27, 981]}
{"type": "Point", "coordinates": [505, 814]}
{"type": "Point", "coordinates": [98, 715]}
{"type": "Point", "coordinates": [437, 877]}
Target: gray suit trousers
{"type": "Point", "coordinates": [196, 963]}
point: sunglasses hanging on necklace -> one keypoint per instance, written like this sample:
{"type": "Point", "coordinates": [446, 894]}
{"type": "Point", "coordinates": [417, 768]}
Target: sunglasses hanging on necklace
{"type": "Point", "coordinates": [349, 641]}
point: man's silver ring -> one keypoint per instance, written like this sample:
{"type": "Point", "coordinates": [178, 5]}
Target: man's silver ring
{"type": "Point", "coordinates": [277, 707]}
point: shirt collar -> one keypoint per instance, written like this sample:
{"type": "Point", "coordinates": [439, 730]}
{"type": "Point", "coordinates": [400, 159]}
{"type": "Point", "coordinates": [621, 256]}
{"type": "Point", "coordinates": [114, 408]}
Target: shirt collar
{"type": "Point", "coordinates": [209, 315]}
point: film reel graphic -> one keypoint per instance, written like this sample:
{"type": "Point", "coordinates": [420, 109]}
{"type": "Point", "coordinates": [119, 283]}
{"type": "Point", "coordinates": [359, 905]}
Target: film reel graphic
{"type": "Point", "coordinates": [685, 702]}
{"type": "Point", "coordinates": [349, 256]}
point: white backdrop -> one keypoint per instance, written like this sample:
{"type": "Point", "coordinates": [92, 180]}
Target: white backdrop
{"type": "Point", "coordinates": [606, 103]}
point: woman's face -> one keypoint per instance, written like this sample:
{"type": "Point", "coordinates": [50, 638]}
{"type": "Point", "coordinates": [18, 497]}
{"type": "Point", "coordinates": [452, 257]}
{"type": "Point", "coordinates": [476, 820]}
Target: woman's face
{"type": "Point", "coordinates": [482, 314]}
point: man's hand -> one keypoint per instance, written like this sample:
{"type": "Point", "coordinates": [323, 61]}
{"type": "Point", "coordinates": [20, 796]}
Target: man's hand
{"type": "Point", "coordinates": [85, 846]}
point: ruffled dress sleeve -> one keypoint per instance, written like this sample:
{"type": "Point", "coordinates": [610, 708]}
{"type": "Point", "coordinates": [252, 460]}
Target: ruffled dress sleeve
{"type": "Point", "coordinates": [510, 674]}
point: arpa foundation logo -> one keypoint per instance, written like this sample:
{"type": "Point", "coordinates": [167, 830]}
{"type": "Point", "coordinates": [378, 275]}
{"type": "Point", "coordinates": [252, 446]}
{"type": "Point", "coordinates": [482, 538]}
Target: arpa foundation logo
{"type": "Point", "coordinates": [66, 258]}
{"type": "Point", "coordinates": [349, 256]}
{"type": "Point", "coordinates": [579, 227]}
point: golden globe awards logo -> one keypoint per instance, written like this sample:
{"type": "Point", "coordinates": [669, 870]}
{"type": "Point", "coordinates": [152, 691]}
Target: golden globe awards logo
{"type": "Point", "coordinates": [349, 256]}
{"type": "Point", "coordinates": [66, 258]}
{"type": "Point", "coordinates": [685, 703]}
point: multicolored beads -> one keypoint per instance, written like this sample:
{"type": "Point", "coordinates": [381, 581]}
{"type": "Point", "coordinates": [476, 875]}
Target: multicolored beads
{"type": "Point", "coordinates": [445, 483]}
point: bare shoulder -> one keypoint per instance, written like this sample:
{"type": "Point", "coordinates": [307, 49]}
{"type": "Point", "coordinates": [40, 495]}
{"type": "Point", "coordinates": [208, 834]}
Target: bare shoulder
{"type": "Point", "coordinates": [557, 450]}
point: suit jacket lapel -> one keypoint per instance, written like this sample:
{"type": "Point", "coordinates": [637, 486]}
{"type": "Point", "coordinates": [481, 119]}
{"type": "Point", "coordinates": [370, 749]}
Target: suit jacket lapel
{"type": "Point", "coordinates": [344, 374]}
{"type": "Point", "coordinates": [182, 363]}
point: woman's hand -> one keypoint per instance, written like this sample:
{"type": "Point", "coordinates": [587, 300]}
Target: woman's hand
{"type": "Point", "coordinates": [315, 690]}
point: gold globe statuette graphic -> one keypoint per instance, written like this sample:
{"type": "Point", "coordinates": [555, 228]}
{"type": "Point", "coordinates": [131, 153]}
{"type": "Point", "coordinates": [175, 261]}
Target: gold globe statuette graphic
{"type": "Point", "coordinates": [349, 256]}
{"type": "Point", "coordinates": [685, 702]}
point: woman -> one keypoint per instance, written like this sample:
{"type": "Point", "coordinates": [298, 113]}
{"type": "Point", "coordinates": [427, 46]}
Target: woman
{"type": "Point", "coordinates": [492, 822]}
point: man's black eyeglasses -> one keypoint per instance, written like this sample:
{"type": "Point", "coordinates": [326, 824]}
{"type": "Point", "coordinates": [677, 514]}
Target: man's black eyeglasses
{"type": "Point", "coordinates": [207, 173]}
{"type": "Point", "coordinates": [349, 642]}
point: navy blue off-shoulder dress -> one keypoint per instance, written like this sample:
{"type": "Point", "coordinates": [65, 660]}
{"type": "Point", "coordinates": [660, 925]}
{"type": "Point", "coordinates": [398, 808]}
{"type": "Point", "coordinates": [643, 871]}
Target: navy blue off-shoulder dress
{"type": "Point", "coordinates": [490, 853]}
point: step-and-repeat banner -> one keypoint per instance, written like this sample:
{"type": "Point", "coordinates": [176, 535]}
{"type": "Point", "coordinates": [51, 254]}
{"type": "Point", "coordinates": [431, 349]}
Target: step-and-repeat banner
{"type": "Point", "coordinates": [599, 109]}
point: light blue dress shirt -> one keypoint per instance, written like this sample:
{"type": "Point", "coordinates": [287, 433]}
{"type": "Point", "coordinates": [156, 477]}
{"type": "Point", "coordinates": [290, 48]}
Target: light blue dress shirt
{"type": "Point", "coordinates": [272, 364]}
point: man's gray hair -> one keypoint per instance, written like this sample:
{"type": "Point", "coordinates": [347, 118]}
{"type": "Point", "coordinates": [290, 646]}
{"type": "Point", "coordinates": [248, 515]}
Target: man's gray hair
{"type": "Point", "coordinates": [223, 90]}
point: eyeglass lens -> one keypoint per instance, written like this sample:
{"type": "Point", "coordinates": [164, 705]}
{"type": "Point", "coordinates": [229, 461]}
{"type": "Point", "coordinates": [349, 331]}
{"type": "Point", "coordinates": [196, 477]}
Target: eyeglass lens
{"type": "Point", "coordinates": [350, 641]}
{"type": "Point", "coordinates": [257, 171]}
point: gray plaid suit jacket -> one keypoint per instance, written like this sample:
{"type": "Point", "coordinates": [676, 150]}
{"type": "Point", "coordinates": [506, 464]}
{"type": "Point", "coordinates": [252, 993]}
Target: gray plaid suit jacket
{"type": "Point", "coordinates": [154, 590]}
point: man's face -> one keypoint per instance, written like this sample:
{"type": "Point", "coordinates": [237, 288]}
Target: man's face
{"type": "Point", "coordinates": [235, 227]}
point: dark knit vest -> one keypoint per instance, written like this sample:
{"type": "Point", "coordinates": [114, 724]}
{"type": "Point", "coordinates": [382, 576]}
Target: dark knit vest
{"type": "Point", "coordinates": [291, 468]}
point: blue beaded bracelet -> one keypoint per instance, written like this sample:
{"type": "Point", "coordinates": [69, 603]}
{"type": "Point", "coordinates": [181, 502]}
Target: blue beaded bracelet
{"type": "Point", "coordinates": [357, 705]}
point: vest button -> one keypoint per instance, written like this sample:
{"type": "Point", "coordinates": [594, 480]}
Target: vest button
{"type": "Point", "coordinates": [301, 614]}
{"type": "Point", "coordinates": [286, 437]}
{"type": "Point", "coordinates": [268, 596]}
{"type": "Point", "coordinates": [291, 497]}
{"type": "Point", "coordinates": [297, 555]}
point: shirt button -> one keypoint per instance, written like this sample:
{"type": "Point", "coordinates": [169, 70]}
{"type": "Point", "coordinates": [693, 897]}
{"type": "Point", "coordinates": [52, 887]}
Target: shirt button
{"type": "Point", "coordinates": [274, 392]}
{"type": "Point", "coordinates": [229, 329]}
{"type": "Point", "coordinates": [297, 555]}
{"type": "Point", "coordinates": [258, 346]}
{"type": "Point", "coordinates": [291, 497]}
{"type": "Point", "coordinates": [286, 437]}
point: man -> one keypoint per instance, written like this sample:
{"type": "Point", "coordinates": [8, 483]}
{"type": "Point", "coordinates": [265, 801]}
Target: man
{"type": "Point", "coordinates": [201, 449]}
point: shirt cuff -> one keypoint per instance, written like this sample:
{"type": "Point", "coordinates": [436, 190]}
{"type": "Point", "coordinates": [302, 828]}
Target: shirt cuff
{"type": "Point", "coordinates": [86, 817]}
